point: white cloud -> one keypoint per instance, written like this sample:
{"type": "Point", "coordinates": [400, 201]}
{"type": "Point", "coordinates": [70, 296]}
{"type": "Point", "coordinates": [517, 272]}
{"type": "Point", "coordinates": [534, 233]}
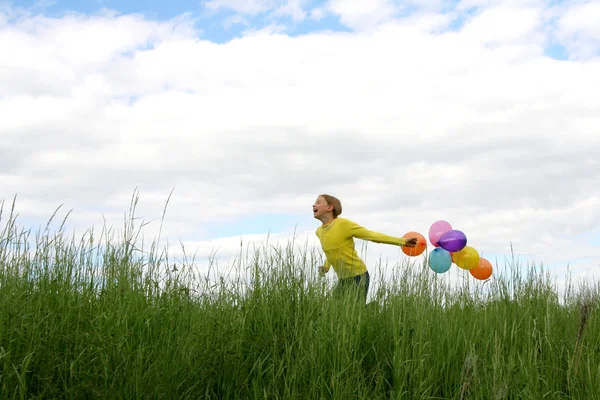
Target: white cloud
{"type": "Point", "coordinates": [248, 7]}
{"type": "Point", "coordinates": [579, 29]}
{"type": "Point", "coordinates": [478, 4]}
{"type": "Point", "coordinates": [490, 25]}
{"type": "Point", "coordinates": [359, 14]}
{"type": "Point", "coordinates": [292, 8]}
{"type": "Point", "coordinates": [296, 9]}
{"type": "Point", "coordinates": [405, 125]}
{"type": "Point", "coordinates": [237, 19]}
{"type": "Point", "coordinates": [318, 13]}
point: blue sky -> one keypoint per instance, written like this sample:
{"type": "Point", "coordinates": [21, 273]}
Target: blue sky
{"type": "Point", "coordinates": [212, 23]}
{"type": "Point", "coordinates": [215, 24]}
{"type": "Point", "coordinates": [527, 80]}
{"type": "Point", "coordinates": [212, 28]}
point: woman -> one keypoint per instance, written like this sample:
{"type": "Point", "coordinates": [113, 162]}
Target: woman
{"type": "Point", "coordinates": [337, 240]}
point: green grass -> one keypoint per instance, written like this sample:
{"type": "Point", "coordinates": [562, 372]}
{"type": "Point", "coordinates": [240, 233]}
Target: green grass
{"type": "Point", "coordinates": [103, 317]}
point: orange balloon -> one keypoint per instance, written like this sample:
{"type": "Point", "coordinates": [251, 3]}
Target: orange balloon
{"type": "Point", "coordinates": [419, 248]}
{"type": "Point", "coordinates": [483, 270]}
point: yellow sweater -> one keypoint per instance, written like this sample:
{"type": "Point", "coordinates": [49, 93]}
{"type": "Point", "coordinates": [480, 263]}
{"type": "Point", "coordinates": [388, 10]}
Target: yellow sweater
{"type": "Point", "coordinates": [337, 240]}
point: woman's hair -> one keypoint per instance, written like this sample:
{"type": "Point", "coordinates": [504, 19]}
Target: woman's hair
{"type": "Point", "coordinates": [335, 202]}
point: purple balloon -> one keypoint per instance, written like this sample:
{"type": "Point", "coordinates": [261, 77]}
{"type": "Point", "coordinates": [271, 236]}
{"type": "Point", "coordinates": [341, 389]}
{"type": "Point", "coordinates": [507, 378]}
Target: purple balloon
{"type": "Point", "coordinates": [453, 241]}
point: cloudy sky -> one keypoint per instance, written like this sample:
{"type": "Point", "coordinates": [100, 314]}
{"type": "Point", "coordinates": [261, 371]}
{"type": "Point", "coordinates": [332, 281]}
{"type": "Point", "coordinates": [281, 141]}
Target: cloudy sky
{"type": "Point", "coordinates": [483, 113]}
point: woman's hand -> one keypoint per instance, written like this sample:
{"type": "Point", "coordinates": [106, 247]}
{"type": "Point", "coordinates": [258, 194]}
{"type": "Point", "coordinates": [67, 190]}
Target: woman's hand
{"type": "Point", "coordinates": [322, 270]}
{"type": "Point", "coordinates": [410, 242]}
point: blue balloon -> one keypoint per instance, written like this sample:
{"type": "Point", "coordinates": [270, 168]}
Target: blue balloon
{"type": "Point", "coordinates": [440, 260]}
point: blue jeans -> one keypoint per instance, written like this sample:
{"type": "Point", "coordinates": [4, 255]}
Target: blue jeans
{"type": "Point", "coordinates": [358, 282]}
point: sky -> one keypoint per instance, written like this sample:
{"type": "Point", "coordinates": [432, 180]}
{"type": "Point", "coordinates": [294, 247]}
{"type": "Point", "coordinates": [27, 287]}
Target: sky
{"type": "Point", "coordinates": [483, 113]}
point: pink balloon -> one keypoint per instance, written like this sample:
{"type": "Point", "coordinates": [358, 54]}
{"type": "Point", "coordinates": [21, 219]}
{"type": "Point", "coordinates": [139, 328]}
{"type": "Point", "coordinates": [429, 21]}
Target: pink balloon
{"type": "Point", "coordinates": [437, 230]}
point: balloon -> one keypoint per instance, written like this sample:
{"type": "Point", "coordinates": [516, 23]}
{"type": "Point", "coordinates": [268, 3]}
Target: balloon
{"type": "Point", "coordinates": [483, 270]}
{"type": "Point", "coordinates": [453, 241]}
{"type": "Point", "coordinates": [439, 260]}
{"type": "Point", "coordinates": [419, 248]}
{"type": "Point", "coordinates": [467, 258]}
{"type": "Point", "coordinates": [437, 230]}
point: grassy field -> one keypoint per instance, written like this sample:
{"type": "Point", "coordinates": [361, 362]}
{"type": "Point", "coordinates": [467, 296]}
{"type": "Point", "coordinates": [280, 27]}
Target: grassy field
{"type": "Point", "coordinates": [102, 317]}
